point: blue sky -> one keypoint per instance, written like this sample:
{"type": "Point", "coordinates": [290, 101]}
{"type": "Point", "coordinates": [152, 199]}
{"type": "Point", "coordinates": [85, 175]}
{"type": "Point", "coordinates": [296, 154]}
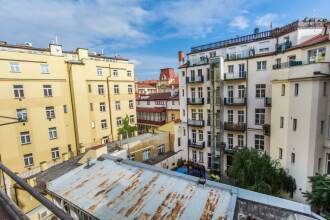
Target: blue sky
{"type": "Point", "coordinates": [149, 33]}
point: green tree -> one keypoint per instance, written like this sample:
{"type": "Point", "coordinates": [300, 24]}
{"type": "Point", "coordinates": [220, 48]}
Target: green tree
{"type": "Point", "coordinates": [126, 130]}
{"type": "Point", "coordinates": [258, 172]}
{"type": "Point", "coordinates": [319, 197]}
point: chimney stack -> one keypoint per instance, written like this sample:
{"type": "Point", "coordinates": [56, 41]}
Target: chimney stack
{"type": "Point", "coordinates": [181, 57]}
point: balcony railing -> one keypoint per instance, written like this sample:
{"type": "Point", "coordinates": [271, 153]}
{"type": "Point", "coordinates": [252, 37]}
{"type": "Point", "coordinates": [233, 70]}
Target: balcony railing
{"type": "Point", "coordinates": [235, 76]}
{"type": "Point", "coordinates": [142, 121]}
{"type": "Point", "coordinates": [196, 123]}
{"type": "Point", "coordinates": [287, 64]}
{"type": "Point", "coordinates": [280, 48]}
{"type": "Point", "coordinates": [195, 101]}
{"type": "Point", "coordinates": [196, 144]}
{"type": "Point", "coordinates": [197, 79]}
{"type": "Point", "coordinates": [230, 126]}
{"type": "Point", "coordinates": [235, 101]}
{"type": "Point", "coordinates": [268, 101]}
{"type": "Point", "coordinates": [266, 128]}
{"type": "Point", "coordinates": [242, 55]}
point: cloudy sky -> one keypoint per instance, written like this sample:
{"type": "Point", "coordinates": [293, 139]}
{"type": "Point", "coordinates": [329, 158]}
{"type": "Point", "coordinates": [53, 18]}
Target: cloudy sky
{"type": "Point", "coordinates": [148, 32]}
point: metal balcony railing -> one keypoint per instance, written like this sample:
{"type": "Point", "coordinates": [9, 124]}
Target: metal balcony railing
{"type": "Point", "coordinates": [235, 76]}
{"type": "Point", "coordinates": [235, 101]}
{"type": "Point", "coordinates": [230, 126]}
{"type": "Point", "coordinates": [196, 144]}
{"type": "Point", "coordinates": [287, 64]}
{"type": "Point", "coordinates": [195, 101]}
{"type": "Point", "coordinates": [196, 79]}
{"type": "Point", "coordinates": [268, 101]}
{"type": "Point", "coordinates": [280, 48]}
{"type": "Point", "coordinates": [196, 123]}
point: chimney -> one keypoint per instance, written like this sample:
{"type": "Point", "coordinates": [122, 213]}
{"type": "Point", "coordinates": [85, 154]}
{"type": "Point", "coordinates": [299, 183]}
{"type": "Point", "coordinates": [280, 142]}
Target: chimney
{"type": "Point", "coordinates": [181, 57]}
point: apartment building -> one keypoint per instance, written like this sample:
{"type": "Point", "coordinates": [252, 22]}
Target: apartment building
{"type": "Point", "coordinates": [63, 101]}
{"type": "Point", "coordinates": [157, 109]}
{"type": "Point", "coordinates": [227, 98]}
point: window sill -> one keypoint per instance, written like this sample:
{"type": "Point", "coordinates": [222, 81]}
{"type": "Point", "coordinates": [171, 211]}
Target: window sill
{"type": "Point", "coordinates": [26, 143]}
{"type": "Point", "coordinates": [52, 139]}
{"type": "Point", "coordinates": [28, 166]}
{"type": "Point", "coordinates": [15, 71]}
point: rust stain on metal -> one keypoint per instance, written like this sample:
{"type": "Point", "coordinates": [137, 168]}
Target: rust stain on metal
{"type": "Point", "coordinates": [222, 218]}
{"type": "Point", "coordinates": [143, 192]}
{"type": "Point", "coordinates": [143, 216]}
{"type": "Point", "coordinates": [210, 205]}
{"type": "Point", "coordinates": [164, 204]}
{"type": "Point", "coordinates": [138, 172]}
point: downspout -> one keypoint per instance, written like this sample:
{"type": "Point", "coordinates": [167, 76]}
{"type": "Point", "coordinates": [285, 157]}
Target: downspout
{"type": "Point", "coordinates": [247, 101]}
{"type": "Point", "coordinates": [187, 111]}
{"type": "Point", "coordinates": [109, 101]}
{"type": "Point", "coordinates": [73, 107]}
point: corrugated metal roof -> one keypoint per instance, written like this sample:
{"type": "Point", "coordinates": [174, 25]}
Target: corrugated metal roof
{"type": "Point", "coordinates": [123, 191]}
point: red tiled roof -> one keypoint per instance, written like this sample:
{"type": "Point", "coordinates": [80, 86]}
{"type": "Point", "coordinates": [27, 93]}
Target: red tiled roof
{"type": "Point", "coordinates": [145, 85]}
{"type": "Point", "coordinates": [168, 72]}
{"type": "Point", "coordinates": [312, 41]}
{"type": "Point", "coordinates": [153, 109]}
{"type": "Point", "coordinates": [152, 82]}
{"type": "Point", "coordinates": [157, 96]}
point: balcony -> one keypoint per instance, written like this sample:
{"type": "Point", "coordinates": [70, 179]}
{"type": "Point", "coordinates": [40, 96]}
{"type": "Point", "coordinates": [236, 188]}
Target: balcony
{"type": "Point", "coordinates": [197, 145]}
{"type": "Point", "coordinates": [195, 101]}
{"type": "Point", "coordinates": [266, 128]}
{"type": "Point", "coordinates": [202, 61]}
{"type": "Point", "coordinates": [197, 79]}
{"type": "Point", "coordinates": [196, 123]}
{"type": "Point", "coordinates": [268, 102]}
{"type": "Point", "coordinates": [281, 48]}
{"type": "Point", "coordinates": [235, 76]}
{"type": "Point", "coordinates": [230, 126]}
{"type": "Point", "coordinates": [287, 64]}
{"type": "Point", "coordinates": [235, 101]}
{"type": "Point", "coordinates": [150, 122]}
{"type": "Point", "coordinates": [242, 55]}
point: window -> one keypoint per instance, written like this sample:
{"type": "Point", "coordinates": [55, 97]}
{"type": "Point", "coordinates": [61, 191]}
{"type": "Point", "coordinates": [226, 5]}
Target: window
{"type": "Point", "coordinates": [118, 120]}
{"type": "Point", "coordinates": [209, 139]}
{"type": "Point", "coordinates": [230, 116]}
{"type": "Point", "coordinates": [241, 91]}
{"type": "Point", "coordinates": [201, 157]}
{"type": "Point", "coordinates": [230, 141]}
{"type": "Point", "coordinates": [261, 65]}
{"type": "Point", "coordinates": [280, 153]}
{"type": "Point", "coordinates": [230, 68]}
{"type": "Point", "coordinates": [91, 107]}
{"type": "Point", "coordinates": [48, 90]}
{"type": "Point", "coordinates": [294, 125]}
{"type": "Point", "coordinates": [99, 71]}
{"type": "Point", "coordinates": [283, 90]}
{"type": "Point", "coordinates": [194, 156]}
{"type": "Point", "coordinates": [161, 149]}
{"type": "Point", "coordinates": [324, 88]}
{"type": "Point", "coordinates": [260, 116]}
{"type": "Point", "coordinates": [116, 89]}
{"type": "Point", "coordinates": [102, 106]}
{"type": "Point", "coordinates": [52, 133]}
{"type": "Point", "coordinates": [296, 89]}
{"type": "Point", "coordinates": [18, 91]}
{"type": "Point", "coordinates": [131, 119]}
{"type": "Point", "coordinates": [259, 142]}
{"type": "Point", "coordinates": [182, 92]}
{"type": "Point", "coordinates": [117, 104]}
{"type": "Point", "coordinates": [328, 164]}
{"type": "Point", "coordinates": [25, 137]}
{"type": "Point", "coordinates": [15, 67]}
{"type": "Point", "coordinates": [131, 104]}
{"type": "Point", "coordinates": [28, 160]}
{"type": "Point", "coordinates": [316, 55]}
{"type": "Point", "coordinates": [130, 89]}
{"type": "Point", "coordinates": [179, 142]}
{"type": "Point", "coordinates": [240, 140]}
{"type": "Point", "coordinates": [240, 115]}
{"type": "Point", "coordinates": [65, 108]}
{"type": "Point", "coordinates": [146, 154]}
{"type": "Point", "coordinates": [173, 117]}
{"type": "Point", "coordinates": [281, 122]}
{"type": "Point", "coordinates": [89, 88]}
{"type": "Point", "coordinates": [322, 127]}
{"type": "Point", "coordinates": [55, 153]}
{"type": "Point", "coordinates": [21, 114]}
{"type": "Point", "coordinates": [183, 73]}
{"type": "Point", "coordinates": [129, 73]}
{"type": "Point", "coordinates": [208, 74]}
{"type": "Point", "coordinates": [200, 135]}
{"type": "Point", "coordinates": [44, 68]}
{"type": "Point", "coordinates": [100, 89]}
{"type": "Point", "coordinates": [92, 124]}
{"type": "Point", "coordinates": [260, 90]}
{"type": "Point", "coordinates": [200, 92]}
{"type": "Point", "coordinates": [293, 157]}
{"type": "Point", "coordinates": [115, 73]}
{"type": "Point", "coordinates": [50, 112]}
{"type": "Point", "coordinates": [104, 124]}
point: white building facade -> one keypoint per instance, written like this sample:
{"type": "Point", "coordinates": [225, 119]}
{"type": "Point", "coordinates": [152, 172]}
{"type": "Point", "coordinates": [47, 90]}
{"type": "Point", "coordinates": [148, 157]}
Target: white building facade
{"type": "Point", "coordinates": [230, 97]}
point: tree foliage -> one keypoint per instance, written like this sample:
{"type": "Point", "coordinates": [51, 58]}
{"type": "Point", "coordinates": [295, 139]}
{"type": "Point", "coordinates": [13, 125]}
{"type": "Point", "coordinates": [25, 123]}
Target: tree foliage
{"type": "Point", "coordinates": [319, 197]}
{"type": "Point", "coordinates": [126, 130]}
{"type": "Point", "coordinates": [258, 172]}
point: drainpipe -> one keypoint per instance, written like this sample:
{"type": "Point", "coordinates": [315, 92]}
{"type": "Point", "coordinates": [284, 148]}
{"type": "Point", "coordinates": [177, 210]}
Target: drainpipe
{"type": "Point", "coordinates": [247, 96]}
{"type": "Point", "coordinates": [187, 113]}
{"type": "Point", "coordinates": [109, 99]}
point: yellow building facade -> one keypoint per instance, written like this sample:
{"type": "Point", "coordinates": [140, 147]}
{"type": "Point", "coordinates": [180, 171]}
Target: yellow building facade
{"type": "Point", "coordinates": [66, 100]}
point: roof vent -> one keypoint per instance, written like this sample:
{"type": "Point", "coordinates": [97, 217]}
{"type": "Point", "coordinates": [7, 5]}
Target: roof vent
{"type": "Point", "coordinates": [28, 44]}
{"type": "Point", "coordinates": [119, 160]}
{"type": "Point", "coordinates": [100, 158]}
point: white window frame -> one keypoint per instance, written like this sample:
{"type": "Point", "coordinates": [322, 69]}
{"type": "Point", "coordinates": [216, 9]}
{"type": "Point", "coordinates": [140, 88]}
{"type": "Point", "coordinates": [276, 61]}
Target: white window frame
{"type": "Point", "coordinates": [102, 107]}
{"type": "Point", "coordinates": [118, 121]}
{"type": "Point", "coordinates": [100, 89]}
{"type": "Point", "coordinates": [44, 68]}
{"type": "Point", "coordinates": [116, 89]}
{"type": "Point", "coordinates": [22, 114]}
{"type": "Point", "coordinates": [260, 90]}
{"type": "Point", "coordinates": [147, 154]}
{"type": "Point", "coordinates": [115, 73]}
{"type": "Point", "coordinates": [194, 156]}
{"type": "Point", "coordinates": [129, 73]}
{"type": "Point", "coordinates": [52, 133]}
{"type": "Point", "coordinates": [28, 160]}
{"type": "Point", "coordinates": [55, 152]}
{"type": "Point", "coordinates": [104, 124]}
{"type": "Point", "coordinates": [200, 157]}
{"type": "Point", "coordinates": [15, 67]}
{"type": "Point", "coordinates": [161, 149]}
{"type": "Point", "coordinates": [131, 119]}
{"type": "Point", "coordinates": [25, 137]}
{"type": "Point", "coordinates": [18, 91]}
{"type": "Point", "coordinates": [50, 112]}
{"type": "Point", "coordinates": [48, 91]}
{"type": "Point", "coordinates": [259, 142]}
{"type": "Point", "coordinates": [117, 105]}
{"type": "Point", "coordinates": [130, 89]}
{"type": "Point", "coordinates": [260, 116]}
{"type": "Point", "coordinates": [131, 104]}
{"type": "Point", "coordinates": [99, 71]}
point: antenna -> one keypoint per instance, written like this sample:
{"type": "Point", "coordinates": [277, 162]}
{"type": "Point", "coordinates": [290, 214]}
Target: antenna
{"type": "Point", "coordinates": [56, 40]}
{"type": "Point", "coordinates": [271, 25]}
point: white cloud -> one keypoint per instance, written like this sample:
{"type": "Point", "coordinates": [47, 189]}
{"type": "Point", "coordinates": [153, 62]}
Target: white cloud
{"type": "Point", "coordinates": [240, 22]}
{"type": "Point", "coordinates": [266, 20]}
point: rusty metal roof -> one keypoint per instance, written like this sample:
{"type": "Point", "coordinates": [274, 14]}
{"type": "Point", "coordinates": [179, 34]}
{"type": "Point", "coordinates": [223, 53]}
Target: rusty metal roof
{"type": "Point", "coordinates": [129, 190]}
